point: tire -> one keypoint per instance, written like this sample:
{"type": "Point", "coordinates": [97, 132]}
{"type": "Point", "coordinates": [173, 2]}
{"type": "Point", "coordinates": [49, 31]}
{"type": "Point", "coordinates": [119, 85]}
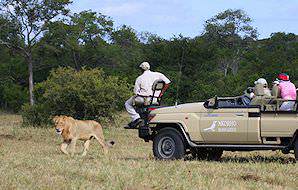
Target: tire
{"type": "Point", "coordinates": [168, 145]}
{"type": "Point", "coordinates": [199, 153]}
{"type": "Point", "coordinates": [214, 154]}
{"type": "Point", "coordinates": [296, 148]}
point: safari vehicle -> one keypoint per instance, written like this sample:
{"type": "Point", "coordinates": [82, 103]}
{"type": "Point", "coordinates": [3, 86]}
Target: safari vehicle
{"type": "Point", "coordinates": [206, 129]}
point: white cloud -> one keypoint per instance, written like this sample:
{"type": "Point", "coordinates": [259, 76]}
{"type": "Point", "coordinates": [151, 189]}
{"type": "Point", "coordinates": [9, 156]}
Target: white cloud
{"type": "Point", "coordinates": [124, 9]}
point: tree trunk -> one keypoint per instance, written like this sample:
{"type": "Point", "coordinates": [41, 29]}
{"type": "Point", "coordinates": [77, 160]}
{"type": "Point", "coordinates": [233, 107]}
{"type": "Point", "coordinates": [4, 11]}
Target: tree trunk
{"type": "Point", "coordinates": [226, 71]}
{"type": "Point", "coordinates": [235, 67]}
{"type": "Point", "coordinates": [30, 69]}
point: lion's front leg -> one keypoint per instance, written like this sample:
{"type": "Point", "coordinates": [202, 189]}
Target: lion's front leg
{"type": "Point", "coordinates": [73, 146]}
{"type": "Point", "coordinates": [63, 147]}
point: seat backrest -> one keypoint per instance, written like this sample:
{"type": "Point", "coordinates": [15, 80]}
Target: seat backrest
{"type": "Point", "coordinates": [158, 85]}
{"type": "Point", "coordinates": [154, 99]}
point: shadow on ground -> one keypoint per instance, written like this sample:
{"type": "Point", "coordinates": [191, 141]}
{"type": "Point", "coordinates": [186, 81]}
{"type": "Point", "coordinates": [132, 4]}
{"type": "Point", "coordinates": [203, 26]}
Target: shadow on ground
{"type": "Point", "coordinates": [258, 159]}
{"type": "Point", "coordinates": [250, 159]}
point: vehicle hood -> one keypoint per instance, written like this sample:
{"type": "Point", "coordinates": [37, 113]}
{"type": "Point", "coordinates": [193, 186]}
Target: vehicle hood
{"type": "Point", "coordinates": [182, 108]}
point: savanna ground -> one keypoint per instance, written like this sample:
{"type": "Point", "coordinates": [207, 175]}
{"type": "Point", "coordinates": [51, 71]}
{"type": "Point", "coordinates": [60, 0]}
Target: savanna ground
{"type": "Point", "coordinates": [30, 159]}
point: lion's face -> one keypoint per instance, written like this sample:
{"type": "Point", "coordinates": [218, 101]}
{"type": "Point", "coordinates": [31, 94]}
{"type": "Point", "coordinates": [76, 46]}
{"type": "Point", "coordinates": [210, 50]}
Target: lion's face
{"type": "Point", "coordinates": [59, 123]}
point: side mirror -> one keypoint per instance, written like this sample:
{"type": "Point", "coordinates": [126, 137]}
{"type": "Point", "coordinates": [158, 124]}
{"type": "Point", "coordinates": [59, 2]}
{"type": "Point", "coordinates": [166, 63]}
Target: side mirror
{"type": "Point", "coordinates": [211, 103]}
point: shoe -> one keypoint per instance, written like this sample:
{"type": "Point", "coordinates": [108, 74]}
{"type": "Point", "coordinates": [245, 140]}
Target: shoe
{"type": "Point", "coordinates": [134, 124]}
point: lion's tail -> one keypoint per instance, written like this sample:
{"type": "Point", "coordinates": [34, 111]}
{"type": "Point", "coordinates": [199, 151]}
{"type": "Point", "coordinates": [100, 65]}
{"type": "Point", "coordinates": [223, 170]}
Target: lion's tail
{"type": "Point", "coordinates": [110, 143]}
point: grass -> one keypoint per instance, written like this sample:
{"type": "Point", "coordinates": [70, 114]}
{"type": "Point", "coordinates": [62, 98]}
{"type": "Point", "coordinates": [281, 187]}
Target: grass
{"type": "Point", "coordinates": [30, 159]}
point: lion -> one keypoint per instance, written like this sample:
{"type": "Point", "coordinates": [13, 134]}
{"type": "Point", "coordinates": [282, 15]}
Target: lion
{"type": "Point", "coordinates": [72, 130]}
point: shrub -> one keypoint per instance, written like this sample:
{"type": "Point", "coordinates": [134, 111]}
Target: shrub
{"type": "Point", "coordinates": [13, 96]}
{"type": "Point", "coordinates": [84, 94]}
{"type": "Point", "coordinates": [36, 115]}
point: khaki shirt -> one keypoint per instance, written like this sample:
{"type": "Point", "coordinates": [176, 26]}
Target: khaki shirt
{"type": "Point", "coordinates": [260, 90]}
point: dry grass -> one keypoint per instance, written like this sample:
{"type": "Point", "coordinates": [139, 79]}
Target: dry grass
{"type": "Point", "coordinates": [30, 159]}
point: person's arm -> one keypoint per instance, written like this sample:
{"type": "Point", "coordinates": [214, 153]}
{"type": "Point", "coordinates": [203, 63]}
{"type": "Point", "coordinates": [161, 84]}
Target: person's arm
{"type": "Point", "coordinates": [167, 81]}
{"type": "Point", "coordinates": [164, 78]}
{"type": "Point", "coordinates": [279, 91]}
{"type": "Point", "coordinates": [137, 87]}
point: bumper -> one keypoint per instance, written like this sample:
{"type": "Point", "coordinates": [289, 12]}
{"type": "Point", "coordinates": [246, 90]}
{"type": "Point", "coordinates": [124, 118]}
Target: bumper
{"type": "Point", "coordinates": [145, 133]}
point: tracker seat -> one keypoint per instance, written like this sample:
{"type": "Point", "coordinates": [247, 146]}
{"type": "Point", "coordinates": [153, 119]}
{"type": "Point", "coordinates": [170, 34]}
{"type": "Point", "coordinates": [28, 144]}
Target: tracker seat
{"type": "Point", "coordinates": [154, 99]}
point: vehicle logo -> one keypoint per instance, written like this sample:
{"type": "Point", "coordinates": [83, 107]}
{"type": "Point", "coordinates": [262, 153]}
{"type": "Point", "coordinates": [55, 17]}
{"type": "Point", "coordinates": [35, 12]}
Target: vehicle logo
{"type": "Point", "coordinates": [212, 127]}
{"type": "Point", "coordinates": [222, 126]}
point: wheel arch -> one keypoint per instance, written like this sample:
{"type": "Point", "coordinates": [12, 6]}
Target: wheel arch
{"type": "Point", "coordinates": [178, 127]}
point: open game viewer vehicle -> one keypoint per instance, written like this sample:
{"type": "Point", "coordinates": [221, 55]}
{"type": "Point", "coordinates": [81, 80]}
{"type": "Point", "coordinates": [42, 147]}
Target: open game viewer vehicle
{"type": "Point", "coordinates": [206, 129]}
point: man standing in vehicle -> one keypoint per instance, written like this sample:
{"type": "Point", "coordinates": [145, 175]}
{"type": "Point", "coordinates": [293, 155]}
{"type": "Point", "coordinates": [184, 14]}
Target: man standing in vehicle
{"type": "Point", "coordinates": [143, 88]}
{"type": "Point", "coordinates": [287, 92]}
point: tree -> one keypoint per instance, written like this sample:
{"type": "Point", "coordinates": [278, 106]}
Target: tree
{"type": "Point", "coordinates": [231, 31]}
{"type": "Point", "coordinates": [27, 20]}
{"type": "Point", "coordinates": [125, 37]}
{"type": "Point", "coordinates": [81, 30]}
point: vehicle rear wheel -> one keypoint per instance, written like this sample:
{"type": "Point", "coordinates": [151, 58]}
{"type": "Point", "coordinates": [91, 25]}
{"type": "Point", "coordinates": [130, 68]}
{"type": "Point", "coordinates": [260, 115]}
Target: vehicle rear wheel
{"type": "Point", "coordinates": [168, 145]}
{"type": "Point", "coordinates": [296, 148]}
{"type": "Point", "coordinates": [214, 154]}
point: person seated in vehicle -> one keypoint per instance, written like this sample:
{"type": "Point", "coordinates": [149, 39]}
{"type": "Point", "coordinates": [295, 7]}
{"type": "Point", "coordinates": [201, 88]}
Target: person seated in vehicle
{"type": "Point", "coordinates": [143, 88]}
{"type": "Point", "coordinates": [287, 92]}
{"type": "Point", "coordinates": [260, 92]}
{"type": "Point", "coordinates": [275, 89]}
{"type": "Point", "coordinates": [247, 96]}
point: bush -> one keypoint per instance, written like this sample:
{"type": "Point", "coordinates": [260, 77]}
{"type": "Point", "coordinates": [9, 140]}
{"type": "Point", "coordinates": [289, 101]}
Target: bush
{"type": "Point", "coordinates": [12, 96]}
{"type": "Point", "coordinates": [36, 115]}
{"type": "Point", "coordinates": [84, 94]}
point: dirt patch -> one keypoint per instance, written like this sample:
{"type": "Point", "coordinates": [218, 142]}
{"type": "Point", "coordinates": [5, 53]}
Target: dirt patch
{"type": "Point", "coordinates": [27, 138]}
{"type": "Point", "coordinates": [2, 136]}
{"type": "Point", "coordinates": [11, 137]}
{"type": "Point", "coordinates": [250, 177]}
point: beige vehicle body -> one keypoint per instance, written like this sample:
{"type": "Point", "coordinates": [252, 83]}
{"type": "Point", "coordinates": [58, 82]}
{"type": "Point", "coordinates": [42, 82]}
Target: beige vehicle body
{"type": "Point", "coordinates": [206, 125]}
{"type": "Point", "coordinates": [229, 125]}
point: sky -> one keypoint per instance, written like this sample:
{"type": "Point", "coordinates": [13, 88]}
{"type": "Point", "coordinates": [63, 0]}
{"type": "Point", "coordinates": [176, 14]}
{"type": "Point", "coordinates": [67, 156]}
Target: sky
{"type": "Point", "coordinates": [167, 18]}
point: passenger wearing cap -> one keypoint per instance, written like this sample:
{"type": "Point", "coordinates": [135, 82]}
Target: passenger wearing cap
{"type": "Point", "coordinates": [260, 92]}
{"type": "Point", "coordinates": [263, 84]}
{"type": "Point", "coordinates": [287, 92]}
{"type": "Point", "coordinates": [143, 88]}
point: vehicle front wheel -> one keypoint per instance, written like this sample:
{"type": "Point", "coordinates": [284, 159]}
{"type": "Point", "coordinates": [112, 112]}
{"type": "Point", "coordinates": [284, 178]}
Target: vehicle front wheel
{"type": "Point", "coordinates": [296, 148]}
{"type": "Point", "coordinates": [168, 145]}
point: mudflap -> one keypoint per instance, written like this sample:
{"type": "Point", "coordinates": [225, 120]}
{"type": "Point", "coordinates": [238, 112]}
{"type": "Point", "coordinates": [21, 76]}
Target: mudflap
{"type": "Point", "coordinates": [145, 132]}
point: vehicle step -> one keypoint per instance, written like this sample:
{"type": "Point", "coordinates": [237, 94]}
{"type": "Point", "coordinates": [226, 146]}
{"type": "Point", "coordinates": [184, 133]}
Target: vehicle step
{"type": "Point", "coordinates": [239, 146]}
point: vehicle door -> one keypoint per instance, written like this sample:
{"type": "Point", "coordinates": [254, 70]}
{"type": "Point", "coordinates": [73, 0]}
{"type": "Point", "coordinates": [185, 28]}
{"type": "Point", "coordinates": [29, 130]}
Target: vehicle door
{"type": "Point", "coordinates": [224, 124]}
